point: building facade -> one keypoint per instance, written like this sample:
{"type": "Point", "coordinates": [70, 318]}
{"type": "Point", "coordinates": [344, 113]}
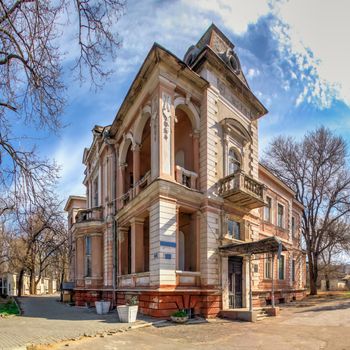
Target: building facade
{"type": "Point", "coordinates": [178, 210]}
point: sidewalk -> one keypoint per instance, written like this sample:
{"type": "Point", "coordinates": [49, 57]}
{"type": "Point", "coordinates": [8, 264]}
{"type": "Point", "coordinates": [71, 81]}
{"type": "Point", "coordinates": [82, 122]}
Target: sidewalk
{"type": "Point", "coordinates": [45, 321]}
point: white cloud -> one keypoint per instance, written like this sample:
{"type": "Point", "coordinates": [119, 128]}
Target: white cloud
{"type": "Point", "coordinates": [236, 15]}
{"type": "Point", "coordinates": [318, 35]}
{"type": "Point", "coordinates": [69, 155]}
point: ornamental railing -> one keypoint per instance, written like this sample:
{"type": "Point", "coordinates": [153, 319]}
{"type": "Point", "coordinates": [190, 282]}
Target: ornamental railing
{"type": "Point", "coordinates": [92, 214]}
{"type": "Point", "coordinates": [240, 181]}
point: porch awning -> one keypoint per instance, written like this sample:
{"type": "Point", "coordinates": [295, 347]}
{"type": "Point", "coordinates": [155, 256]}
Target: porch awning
{"type": "Point", "coordinates": [266, 245]}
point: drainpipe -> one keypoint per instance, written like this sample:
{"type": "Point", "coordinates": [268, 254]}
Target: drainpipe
{"type": "Point", "coordinates": [110, 142]}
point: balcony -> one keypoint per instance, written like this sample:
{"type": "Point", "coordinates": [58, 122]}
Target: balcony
{"type": "Point", "coordinates": [86, 215]}
{"type": "Point", "coordinates": [134, 191]}
{"type": "Point", "coordinates": [242, 190]}
{"type": "Point", "coordinates": [186, 177]}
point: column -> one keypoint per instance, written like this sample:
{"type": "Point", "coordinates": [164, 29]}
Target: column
{"type": "Point", "coordinates": [195, 139]}
{"type": "Point", "coordinates": [250, 283]}
{"type": "Point", "coordinates": [136, 166]}
{"type": "Point", "coordinates": [122, 251]}
{"type": "Point", "coordinates": [273, 281]}
{"type": "Point", "coordinates": [137, 260]}
{"type": "Point", "coordinates": [99, 184]}
{"type": "Point", "coordinates": [121, 177]}
{"type": "Point", "coordinates": [96, 255]}
{"type": "Point", "coordinates": [163, 243]}
{"type": "Point", "coordinates": [79, 258]}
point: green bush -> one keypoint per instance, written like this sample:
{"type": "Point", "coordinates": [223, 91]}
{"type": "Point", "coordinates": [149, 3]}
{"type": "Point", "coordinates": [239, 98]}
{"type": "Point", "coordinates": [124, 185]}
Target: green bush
{"type": "Point", "coordinates": [9, 308]}
{"type": "Point", "coordinates": [180, 313]}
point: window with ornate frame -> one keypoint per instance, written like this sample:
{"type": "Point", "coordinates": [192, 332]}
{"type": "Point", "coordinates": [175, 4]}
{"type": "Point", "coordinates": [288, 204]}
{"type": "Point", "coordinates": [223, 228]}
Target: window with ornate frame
{"type": "Point", "coordinates": [234, 161]}
{"type": "Point", "coordinates": [280, 215]}
{"type": "Point", "coordinates": [293, 226]}
{"type": "Point", "coordinates": [268, 209]}
{"type": "Point", "coordinates": [233, 229]}
{"type": "Point", "coordinates": [281, 267]}
{"type": "Point", "coordinates": [268, 266]}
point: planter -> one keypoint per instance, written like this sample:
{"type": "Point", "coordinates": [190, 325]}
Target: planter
{"type": "Point", "coordinates": [127, 313]}
{"type": "Point", "coordinates": [102, 307]}
{"type": "Point", "coordinates": [176, 319]}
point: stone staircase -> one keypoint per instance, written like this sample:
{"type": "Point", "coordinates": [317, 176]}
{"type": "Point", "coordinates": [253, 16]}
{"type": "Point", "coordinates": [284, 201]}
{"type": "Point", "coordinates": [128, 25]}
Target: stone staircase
{"type": "Point", "coordinates": [262, 314]}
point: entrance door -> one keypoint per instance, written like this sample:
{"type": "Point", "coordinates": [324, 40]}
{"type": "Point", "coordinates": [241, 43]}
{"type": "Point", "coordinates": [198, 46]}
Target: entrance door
{"type": "Point", "coordinates": [235, 282]}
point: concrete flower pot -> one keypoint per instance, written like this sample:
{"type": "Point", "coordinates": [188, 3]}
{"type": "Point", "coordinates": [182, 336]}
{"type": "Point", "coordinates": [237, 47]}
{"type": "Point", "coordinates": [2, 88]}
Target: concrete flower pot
{"type": "Point", "coordinates": [102, 307]}
{"type": "Point", "coordinates": [127, 313]}
{"type": "Point", "coordinates": [177, 319]}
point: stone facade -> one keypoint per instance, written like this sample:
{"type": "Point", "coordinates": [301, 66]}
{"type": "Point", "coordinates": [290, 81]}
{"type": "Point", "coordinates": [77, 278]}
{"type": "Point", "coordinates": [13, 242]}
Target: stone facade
{"type": "Point", "coordinates": [173, 178]}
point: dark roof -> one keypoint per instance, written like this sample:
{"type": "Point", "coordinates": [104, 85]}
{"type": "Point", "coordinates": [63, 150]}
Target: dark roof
{"type": "Point", "coordinates": [266, 245]}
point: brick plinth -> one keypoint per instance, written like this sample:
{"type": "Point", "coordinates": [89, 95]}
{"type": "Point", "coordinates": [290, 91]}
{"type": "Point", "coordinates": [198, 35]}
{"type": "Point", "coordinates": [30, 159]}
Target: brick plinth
{"type": "Point", "coordinates": [261, 299]}
{"type": "Point", "coordinates": [157, 304]}
{"type": "Point", "coordinates": [163, 304]}
{"type": "Point", "coordinates": [88, 297]}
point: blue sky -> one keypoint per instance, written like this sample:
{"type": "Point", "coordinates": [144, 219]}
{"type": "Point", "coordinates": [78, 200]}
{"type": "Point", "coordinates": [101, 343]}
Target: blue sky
{"type": "Point", "coordinates": [295, 55]}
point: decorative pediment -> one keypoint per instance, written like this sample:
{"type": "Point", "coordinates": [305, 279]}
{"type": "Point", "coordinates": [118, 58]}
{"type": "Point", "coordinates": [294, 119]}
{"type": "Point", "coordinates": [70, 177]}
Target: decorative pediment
{"type": "Point", "coordinates": [236, 129]}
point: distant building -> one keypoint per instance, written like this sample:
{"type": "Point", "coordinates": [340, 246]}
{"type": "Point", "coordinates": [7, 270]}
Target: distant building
{"type": "Point", "coordinates": [178, 210]}
{"type": "Point", "coordinates": [9, 285]}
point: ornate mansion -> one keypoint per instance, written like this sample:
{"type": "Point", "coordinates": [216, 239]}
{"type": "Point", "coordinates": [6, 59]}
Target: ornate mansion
{"type": "Point", "coordinates": [178, 211]}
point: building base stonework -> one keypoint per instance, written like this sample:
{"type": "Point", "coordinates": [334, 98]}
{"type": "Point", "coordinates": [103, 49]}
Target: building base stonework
{"type": "Point", "coordinates": [156, 303]}
{"type": "Point", "coordinates": [88, 297]}
{"type": "Point", "coordinates": [163, 304]}
{"type": "Point", "coordinates": [262, 299]}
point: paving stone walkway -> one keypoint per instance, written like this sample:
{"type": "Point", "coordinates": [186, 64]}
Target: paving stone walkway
{"type": "Point", "coordinates": [45, 321]}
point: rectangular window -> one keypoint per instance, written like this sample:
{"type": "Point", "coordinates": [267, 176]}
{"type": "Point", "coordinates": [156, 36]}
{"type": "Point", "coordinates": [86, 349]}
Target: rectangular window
{"type": "Point", "coordinates": [234, 229]}
{"type": "Point", "coordinates": [88, 262]}
{"type": "Point", "coordinates": [293, 270]}
{"type": "Point", "coordinates": [267, 210]}
{"type": "Point", "coordinates": [280, 218]}
{"type": "Point", "coordinates": [293, 226]}
{"type": "Point", "coordinates": [268, 267]}
{"type": "Point", "coordinates": [281, 267]}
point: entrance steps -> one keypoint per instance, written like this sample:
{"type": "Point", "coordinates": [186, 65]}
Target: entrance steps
{"type": "Point", "coordinates": [261, 315]}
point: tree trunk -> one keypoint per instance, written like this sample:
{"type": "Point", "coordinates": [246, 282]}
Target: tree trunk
{"type": "Point", "coordinates": [36, 282]}
{"type": "Point", "coordinates": [32, 285]}
{"type": "Point", "coordinates": [20, 283]}
{"type": "Point", "coordinates": [313, 272]}
{"type": "Point", "coordinates": [327, 282]}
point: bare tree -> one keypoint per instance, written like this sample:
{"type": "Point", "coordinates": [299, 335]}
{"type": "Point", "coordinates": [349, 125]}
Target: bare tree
{"type": "Point", "coordinates": [31, 84]}
{"type": "Point", "coordinates": [337, 247]}
{"type": "Point", "coordinates": [41, 231]}
{"type": "Point", "coordinates": [315, 168]}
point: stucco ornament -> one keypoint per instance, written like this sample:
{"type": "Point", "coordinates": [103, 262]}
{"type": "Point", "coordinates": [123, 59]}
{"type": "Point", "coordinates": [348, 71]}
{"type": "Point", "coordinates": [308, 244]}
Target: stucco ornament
{"type": "Point", "coordinates": [166, 111]}
{"type": "Point", "coordinates": [231, 59]}
{"type": "Point", "coordinates": [154, 117]}
{"type": "Point", "coordinates": [191, 55]}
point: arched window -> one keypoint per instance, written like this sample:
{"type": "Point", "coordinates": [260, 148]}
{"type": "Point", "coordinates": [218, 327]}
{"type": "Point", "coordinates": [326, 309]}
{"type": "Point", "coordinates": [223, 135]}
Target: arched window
{"type": "Point", "coordinates": [234, 161]}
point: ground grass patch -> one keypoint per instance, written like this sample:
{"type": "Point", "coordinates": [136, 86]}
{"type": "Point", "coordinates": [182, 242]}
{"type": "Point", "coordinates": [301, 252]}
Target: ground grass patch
{"type": "Point", "coordinates": [8, 307]}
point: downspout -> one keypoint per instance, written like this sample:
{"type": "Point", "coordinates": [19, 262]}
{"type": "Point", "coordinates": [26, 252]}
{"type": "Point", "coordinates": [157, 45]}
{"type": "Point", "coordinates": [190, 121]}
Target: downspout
{"type": "Point", "coordinates": [107, 139]}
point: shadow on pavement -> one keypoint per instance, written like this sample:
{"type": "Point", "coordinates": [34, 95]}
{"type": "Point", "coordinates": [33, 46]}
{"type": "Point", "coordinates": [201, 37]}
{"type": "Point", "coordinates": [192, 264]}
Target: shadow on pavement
{"type": "Point", "coordinates": [50, 308]}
